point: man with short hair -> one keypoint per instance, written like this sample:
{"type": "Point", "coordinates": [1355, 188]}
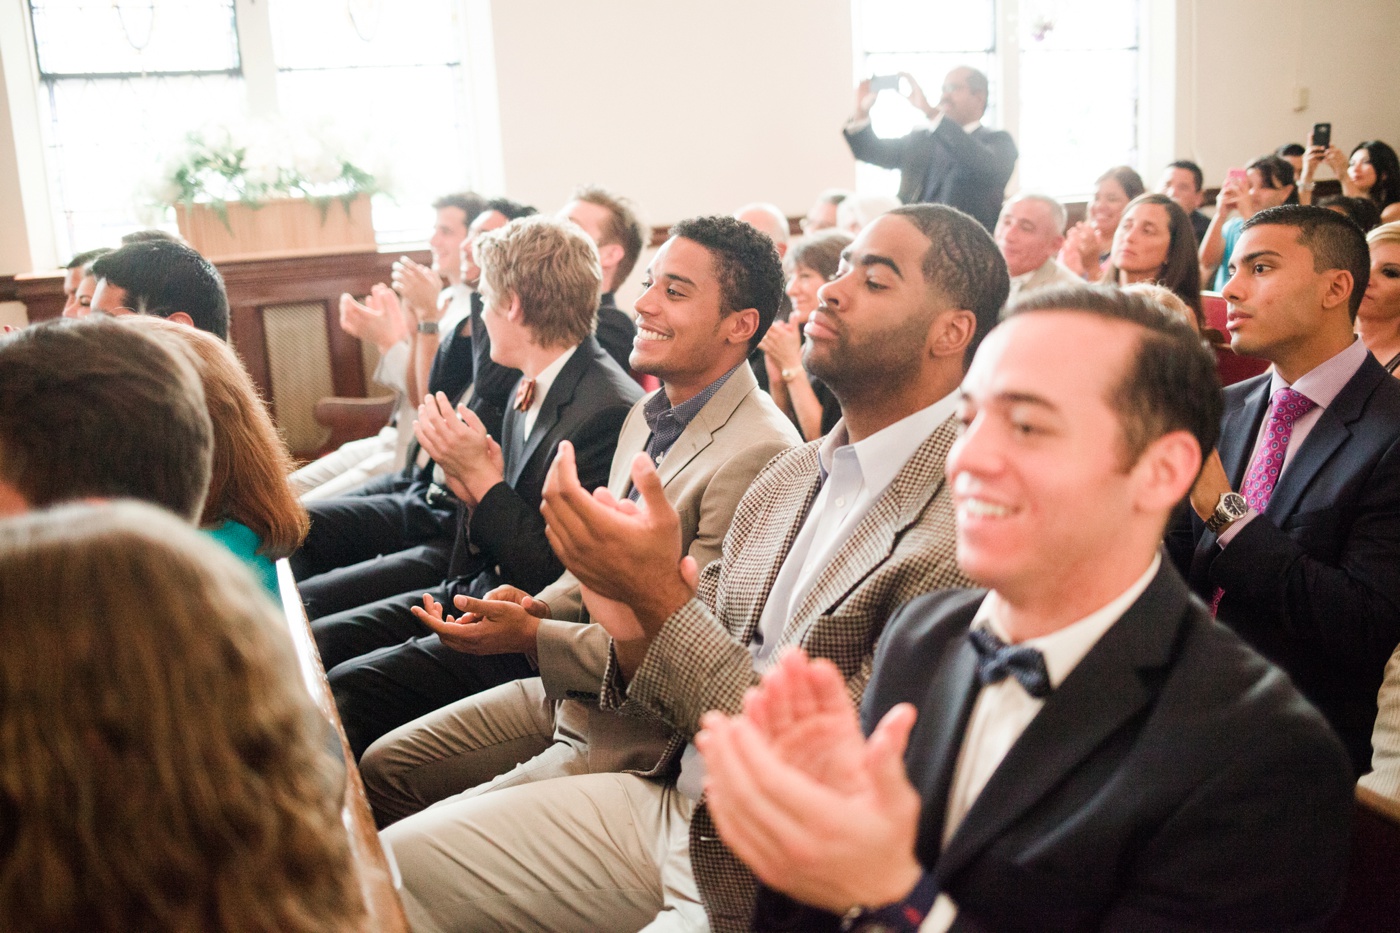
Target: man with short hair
{"type": "Point", "coordinates": [539, 285]}
{"type": "Point", "coordinates": [1184, 183]}
{"type": "Point", "coordinates": [1295, 538]}
{"type": "Point", "coordinates": [769, 220]}
{"type": "Point", "coordinates": [97, 409]}
{"type": "Point", "coordinates": [1029, 234]}
{"type": "Point", "coordinates": [1091, 752]}
{"type": "Point", "coordinates": [611, 222]}
{"type": "Point", "coordinates": [831, 537]}
{"type": "Point", "coordinates": [822, 214]}
{"type": "Point", "coordinates": [165, 279]}
{"type": "Point", "coordinates": [954, 160]}
{"type": "Point", "coordinates": [74, 272]}
{"type": "Point", "coordinates": [710, 430]}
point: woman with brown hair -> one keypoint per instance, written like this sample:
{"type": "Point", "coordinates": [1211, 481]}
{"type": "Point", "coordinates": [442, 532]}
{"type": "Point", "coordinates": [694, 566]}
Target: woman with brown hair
{"type": "Point", "coordinates": [1155, 243]}
{"type": "Point", "coordinates": [1087, 243]}
{"type": "Point", "coordinates": [162, 768]}
{"type": "Point", "coordinates": [250, 508]}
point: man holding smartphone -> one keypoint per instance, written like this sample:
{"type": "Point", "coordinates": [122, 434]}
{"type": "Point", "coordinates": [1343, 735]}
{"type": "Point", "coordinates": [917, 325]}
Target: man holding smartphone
{"type": "Point", "coordinates": [954, 159]}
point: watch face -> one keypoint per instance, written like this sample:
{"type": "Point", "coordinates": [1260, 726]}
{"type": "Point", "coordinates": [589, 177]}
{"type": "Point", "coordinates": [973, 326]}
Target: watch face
{"type": "Point", "coordinates": [1234, 505]}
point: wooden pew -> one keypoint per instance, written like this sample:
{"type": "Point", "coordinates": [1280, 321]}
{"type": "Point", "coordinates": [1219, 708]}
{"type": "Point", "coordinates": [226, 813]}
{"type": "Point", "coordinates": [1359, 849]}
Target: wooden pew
{"type": "Point", "coordinates": [378, 874]}
{"type": "Point", "coordinates": [1372, 900]}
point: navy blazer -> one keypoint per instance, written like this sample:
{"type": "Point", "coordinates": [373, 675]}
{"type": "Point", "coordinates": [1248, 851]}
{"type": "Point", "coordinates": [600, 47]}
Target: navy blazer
{"type": "Point", "coordinates": [1174, 781]}
{"type": "Point", "coordinates": [1314, 582]}
{"type": "Point", "coordinates": [502, 540]}
{"type": "Point", "coordinates": [946, 165]}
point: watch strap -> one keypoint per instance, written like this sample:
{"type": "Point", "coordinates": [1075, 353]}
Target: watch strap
{"type": "Point", "coordinates": [427, 327]}
{"type": "Point", "coordinates": [903, 916]}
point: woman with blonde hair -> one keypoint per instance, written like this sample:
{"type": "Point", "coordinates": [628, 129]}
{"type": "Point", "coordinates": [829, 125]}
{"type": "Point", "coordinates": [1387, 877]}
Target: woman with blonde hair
{"type": "Point", "coordinates": [250, 507]}
{"type": "Point", "coordinates": [162, 767]}
{"type": "Point", "coordinates": [1378, 318]}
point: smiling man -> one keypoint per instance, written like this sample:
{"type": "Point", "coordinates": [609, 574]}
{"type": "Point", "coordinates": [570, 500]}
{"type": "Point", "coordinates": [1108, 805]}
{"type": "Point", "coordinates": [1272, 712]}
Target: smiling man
{"type": "Point", "coordinates": [829, 539]}
{"type": "Point", "coordinates": [1296, 533]}
{"type": "Point", "coordinates": [1029, 233]}
{"type": "Point", "coordinates": [1087, 750]}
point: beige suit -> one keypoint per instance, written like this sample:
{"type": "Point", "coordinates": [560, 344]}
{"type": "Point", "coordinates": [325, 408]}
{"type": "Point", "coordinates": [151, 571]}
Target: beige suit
{"type": "Point", "coordinates": [614, 851]}
{"type": "Point", "coordinates": [551, 726]}
{"type": "Point", "coordinates": [1051, 272]}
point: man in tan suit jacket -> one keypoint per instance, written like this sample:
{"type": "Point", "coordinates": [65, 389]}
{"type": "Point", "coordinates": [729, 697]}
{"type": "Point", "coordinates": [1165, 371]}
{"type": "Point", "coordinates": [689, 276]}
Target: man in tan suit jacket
{"type": "Point", "coordinates": [830, 540]}
{"type": "Point", "coordinates": [732, 429]}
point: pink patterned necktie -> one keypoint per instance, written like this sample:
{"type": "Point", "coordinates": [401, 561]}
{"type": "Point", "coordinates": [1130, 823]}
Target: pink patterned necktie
{"type": "Point", "coordinates": [1285, 408]}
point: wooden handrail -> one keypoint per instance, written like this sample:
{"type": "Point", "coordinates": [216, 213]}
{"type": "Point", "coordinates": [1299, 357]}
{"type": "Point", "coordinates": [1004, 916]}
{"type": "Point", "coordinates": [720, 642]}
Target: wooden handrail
{"type": "Point", "coordinates": [375, 866]}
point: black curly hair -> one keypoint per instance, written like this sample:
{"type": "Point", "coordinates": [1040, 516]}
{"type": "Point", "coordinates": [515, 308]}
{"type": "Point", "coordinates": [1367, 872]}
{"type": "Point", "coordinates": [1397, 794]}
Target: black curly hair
{"type": "Point", "coordinates": [746, 263]}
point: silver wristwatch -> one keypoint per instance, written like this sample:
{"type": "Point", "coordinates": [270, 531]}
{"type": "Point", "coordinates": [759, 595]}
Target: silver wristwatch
{"type": "Point", "coordinates": [427, 327]}
{"type": "Point", "coordinates": [1231, 508]}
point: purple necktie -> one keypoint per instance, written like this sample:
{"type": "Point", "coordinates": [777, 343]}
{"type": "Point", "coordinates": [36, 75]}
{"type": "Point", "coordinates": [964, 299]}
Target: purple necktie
{"type": "Point", "coordinates": [1285, 408]}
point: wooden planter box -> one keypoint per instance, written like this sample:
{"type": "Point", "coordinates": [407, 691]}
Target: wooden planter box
{"type": "Point", "coordinates": [285, 227]}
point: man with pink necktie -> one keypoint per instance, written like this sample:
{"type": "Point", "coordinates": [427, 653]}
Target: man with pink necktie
{"type": "Point", "coordinates": [1304, 560]}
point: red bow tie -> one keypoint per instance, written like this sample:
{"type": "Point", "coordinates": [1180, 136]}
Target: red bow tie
{"type": "Point", "coordinates": [525, 394]}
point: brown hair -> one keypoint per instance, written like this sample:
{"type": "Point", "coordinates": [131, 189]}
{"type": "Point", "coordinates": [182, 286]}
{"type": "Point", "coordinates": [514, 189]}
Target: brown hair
{"type": "Point", "coordinates": [161, 766]}
{"type": "Point", "coordinates": [552, 267]}
{"type": "Point", "coordinates": [624, 227]}
{"type": "Point", "coordinates": [248, 483]}
{"type": "Point", "coordinates": [95, 409]}
{"type": "Point", "coordinates": [1182, 271]}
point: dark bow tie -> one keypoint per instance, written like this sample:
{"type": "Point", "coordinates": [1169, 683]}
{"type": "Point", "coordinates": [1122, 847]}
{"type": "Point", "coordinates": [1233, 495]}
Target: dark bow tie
{"type": "Point", "coordinates": [996, 660]}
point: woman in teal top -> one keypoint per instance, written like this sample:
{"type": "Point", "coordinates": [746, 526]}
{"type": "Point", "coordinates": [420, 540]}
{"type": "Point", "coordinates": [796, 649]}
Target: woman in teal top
{"type": "Point", "coordinates": [250, 508]}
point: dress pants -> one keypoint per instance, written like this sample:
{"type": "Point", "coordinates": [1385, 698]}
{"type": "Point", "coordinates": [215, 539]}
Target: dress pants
{"type": "Point", "coordinates": [382, 540]}
{"type": "Point", "coordinates": [607, 852]}
{"type": "Point", "coordinates": [497, 738]}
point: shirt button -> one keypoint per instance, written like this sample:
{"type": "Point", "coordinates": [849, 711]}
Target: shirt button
{"type": "Point", "coordinates": [841, 502]}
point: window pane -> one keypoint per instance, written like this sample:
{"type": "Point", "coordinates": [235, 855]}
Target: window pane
{"type": "Point", "coordinates": [426, 148]}
{"type": "Point", "coordinates": [1078, 24]}
{"type": "Point", "coordinates": [106, 139]}
{"type": "Point", "coordinates": [353, 33]}
{"type": "Point", "coordinates": [927, 26]}
{"type": "Point", "coordinates": [1068, 140]}
{"type": "Point", "coordinates": [134, 36]}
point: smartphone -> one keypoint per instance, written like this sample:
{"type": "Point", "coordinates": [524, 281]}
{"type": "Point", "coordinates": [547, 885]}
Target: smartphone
{"type": "Point", "coordinates": [1238, 174]}
{"type": "Point", "coordinates": [1322, 134]}
{"type": "Point", "coordinates": [884, 82]}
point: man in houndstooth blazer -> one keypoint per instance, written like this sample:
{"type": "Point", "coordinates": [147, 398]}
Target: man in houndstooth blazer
{"type": "Point", "coordinates": [615, 851]}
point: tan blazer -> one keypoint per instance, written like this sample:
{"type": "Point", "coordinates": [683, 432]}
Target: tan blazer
{"type": "Point", "coordinates": [902, 548]}
{"type": "Point", "coordinates": [705, 474]}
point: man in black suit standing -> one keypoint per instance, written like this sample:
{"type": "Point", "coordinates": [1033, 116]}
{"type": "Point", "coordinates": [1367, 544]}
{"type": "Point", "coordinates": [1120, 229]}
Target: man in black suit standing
{"type": "Point", "coordinates": [1296, 533]}
{"type": "Point", "coordinates": [954, 160]}
{"type": "Point", "coordinates": [1091, 751]}
{"type": "Point", "coordinates": [539, 286]}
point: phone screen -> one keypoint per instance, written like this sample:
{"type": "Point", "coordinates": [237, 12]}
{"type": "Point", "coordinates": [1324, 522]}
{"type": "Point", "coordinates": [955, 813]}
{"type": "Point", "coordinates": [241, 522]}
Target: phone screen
{"type": "Point", "coordinates": [884, 82]}
{"type": "Point", "coordinates": [1322, 134]}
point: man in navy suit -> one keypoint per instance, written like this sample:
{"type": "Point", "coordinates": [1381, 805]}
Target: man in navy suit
{"type": "Point", "coordinates": [1296, 532]}
{"type": "Point", "coordinates": [954, 160]}
{"type": "Point", "coordinates": [539, 285]}
{"type": "Point", "coordinates": [1091, 751]}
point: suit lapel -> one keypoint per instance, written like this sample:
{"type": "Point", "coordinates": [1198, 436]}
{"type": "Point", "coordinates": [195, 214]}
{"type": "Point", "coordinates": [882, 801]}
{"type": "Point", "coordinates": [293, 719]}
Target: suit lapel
{"type": "Point", "coordinates": [560, 394]}
{"type": "Point", "coordinates": [1103, 692]}
{"type": "Point", "coordinates": [874, 536]}
{"type": "Point", "coordinates": [1238, 429]}
{"type": "Point", "coordinates": [942, 724]}
{"type": "Point", "coordinates": [714, 415]}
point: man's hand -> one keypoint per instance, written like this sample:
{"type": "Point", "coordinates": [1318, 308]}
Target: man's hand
{"type": "Point", "coordinates": [815, 809]}
{"type": "Point", "coordinates": [379, 319]}
{"type": "Point", "coordinates": [1210, 486]}
{"type": "Point", "coordinates": [865, 99]}
{"type": "Point", "coordinates": [419, 286]}
{"type": "Point", "coordinates": [487, 626]}
{"type": "Point", "coordinates": [458, 441]}
{"type": "Point", "coordinates": [629, 553]}
{"type": "Point", "coordinates": [915, 95]}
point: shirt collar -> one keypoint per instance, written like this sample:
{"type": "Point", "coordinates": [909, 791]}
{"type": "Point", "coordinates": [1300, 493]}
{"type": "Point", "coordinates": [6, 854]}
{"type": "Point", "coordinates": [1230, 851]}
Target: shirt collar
{"type": "Point", "coordinates": [547, 376]}
{"type": "Point", "coordinates": [1325, 381]}
{"type": "Point", "coordinates": [1065, 648]}
{"type": "Point", "coordinates": [884, 453]}
{"type": "Point", "coordinates": [660, 404]}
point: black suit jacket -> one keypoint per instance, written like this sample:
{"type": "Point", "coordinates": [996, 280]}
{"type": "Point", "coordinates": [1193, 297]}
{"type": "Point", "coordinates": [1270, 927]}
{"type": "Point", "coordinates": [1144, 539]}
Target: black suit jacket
{"type": "Point", "coordinates": [502, 540]}
{"type": "Point", "coordinates": [615, 332]}
{"type": "Point", "coordinates": [1314, 582]}
{"type": "Point", "coordinates": [1174, 781]}
{"type": "Point", "coordinates": [946, 165]}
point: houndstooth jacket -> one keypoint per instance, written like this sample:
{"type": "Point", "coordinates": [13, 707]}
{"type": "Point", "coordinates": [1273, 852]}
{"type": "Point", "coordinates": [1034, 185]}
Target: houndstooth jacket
{"type": "Point", "coordinates": [700, 660]}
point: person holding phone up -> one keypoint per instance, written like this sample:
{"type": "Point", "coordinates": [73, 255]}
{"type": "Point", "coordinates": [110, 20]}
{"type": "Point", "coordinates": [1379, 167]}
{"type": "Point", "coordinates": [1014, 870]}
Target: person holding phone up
{"type": "Point", "coordinates": [952, 160]}
{"type": "Point", "coordinates": [1265, 182]}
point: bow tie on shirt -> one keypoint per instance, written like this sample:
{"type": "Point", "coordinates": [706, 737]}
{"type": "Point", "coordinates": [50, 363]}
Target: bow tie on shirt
{"type": "Point", "coordinates": [525, 394]}
{"type": "Point", "coordinates": [996, 660]}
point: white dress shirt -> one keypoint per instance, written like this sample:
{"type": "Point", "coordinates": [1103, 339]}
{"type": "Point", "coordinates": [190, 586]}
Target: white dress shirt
{"type": "Point", "coordinates": [1004, 709]}
{"type": "Point", "coordinates": [542, 383]}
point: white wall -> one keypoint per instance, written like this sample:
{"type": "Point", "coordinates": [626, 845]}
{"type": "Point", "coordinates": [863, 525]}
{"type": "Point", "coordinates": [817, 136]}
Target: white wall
{"type": "Point", "coordinates": [1241, 63]}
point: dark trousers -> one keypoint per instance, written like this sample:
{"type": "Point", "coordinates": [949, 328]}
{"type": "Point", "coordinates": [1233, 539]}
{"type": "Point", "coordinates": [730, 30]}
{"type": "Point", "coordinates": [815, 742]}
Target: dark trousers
{"type": "Point", "coordinates": [379, 541]}
{"type": "Point", "coordinates": [386, 668]}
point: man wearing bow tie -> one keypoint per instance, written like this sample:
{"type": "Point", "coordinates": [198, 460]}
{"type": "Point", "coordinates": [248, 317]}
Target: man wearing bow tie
{"type": "Point", "coordinates": [1084, 747]}
{"type": "Point", "coordinates": [540, 279]}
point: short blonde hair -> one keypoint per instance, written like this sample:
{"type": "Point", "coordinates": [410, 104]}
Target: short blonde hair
{"type": "Point", "coordinates": [162, 767]}
{"type": "Point", "coordinates": [1168, 299]}
{"type": "Point", "coordinates": [1385, 233]}
{"type": "Point", "coordinates": [552, 266]}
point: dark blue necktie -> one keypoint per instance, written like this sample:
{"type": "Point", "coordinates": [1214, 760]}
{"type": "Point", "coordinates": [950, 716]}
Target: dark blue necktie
{"type": "Point", "coordinates": [996, 660]}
